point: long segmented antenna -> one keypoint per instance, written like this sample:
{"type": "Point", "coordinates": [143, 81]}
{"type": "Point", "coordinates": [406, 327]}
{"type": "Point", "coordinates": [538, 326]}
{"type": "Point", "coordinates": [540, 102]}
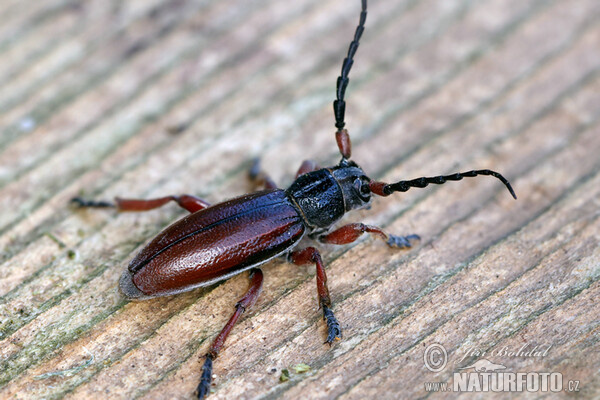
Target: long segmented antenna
{"type": "Point", "coordinates": [339, 105]}
{"type": "Point", "coordinates": [385, 189]}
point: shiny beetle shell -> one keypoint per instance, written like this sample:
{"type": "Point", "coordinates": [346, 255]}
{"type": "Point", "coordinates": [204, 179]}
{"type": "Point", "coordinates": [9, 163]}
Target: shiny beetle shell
{"type": "Point", "coordinates": [214, 244]}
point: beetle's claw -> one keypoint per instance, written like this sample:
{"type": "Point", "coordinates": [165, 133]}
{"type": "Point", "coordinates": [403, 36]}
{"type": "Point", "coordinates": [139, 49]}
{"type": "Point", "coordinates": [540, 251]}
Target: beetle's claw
{"type": "Point", "coordinates": [204, 387]}
{"type": "Point", "coordinates": [334, 331]}
{"type": "Point", "coordinates": [82, 203]}
{"type": "Point", "coordinates": [402, 242]}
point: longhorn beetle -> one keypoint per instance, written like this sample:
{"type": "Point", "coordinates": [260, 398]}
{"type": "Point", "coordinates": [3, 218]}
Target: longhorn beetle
{"type": "Point", "coordinates": [216, 242]}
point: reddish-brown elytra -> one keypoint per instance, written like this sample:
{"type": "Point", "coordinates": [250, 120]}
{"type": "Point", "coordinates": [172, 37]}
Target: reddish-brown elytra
{"type": "Point", "coordinates": [216, 242]}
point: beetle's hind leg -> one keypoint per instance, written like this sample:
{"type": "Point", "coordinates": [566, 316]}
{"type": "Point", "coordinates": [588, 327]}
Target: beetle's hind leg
{"type": "Point", "coordinates": [256, 279]}
{"type": "Point", "coordinates": [259, 178]}
{"type": "Point", "coordinates": [312, 255]}
{"type": "Point", "coordinates": [84, 203]}
{"type": "Point", "coordinates": [185, 201]}
{"type": "Point", "coordinates": [349, 233]}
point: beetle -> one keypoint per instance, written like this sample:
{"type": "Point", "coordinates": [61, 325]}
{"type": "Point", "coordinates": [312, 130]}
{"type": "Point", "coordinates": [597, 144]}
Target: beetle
{"type": "Point", "coordinates": [215, 242]}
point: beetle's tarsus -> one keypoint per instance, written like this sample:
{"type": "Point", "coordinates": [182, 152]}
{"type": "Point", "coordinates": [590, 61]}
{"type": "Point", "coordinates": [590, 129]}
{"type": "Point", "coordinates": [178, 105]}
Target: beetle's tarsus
{"type": "Point", "coordinates": [204, 387]}
{"type": "Point", "coordinates": [83, 203]}
{"type": "Point", "coordinates": [334, 331]}
{"type": "Point", "coordinates": [259, 178]}
{"type": "Point", "coordinates": [254, 170]}
{"type": "Point", "coordinates": [402, 242]}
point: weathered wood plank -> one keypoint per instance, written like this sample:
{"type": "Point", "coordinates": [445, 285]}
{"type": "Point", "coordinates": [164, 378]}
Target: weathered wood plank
{"type": "Point", "coordinates": [89, 94]}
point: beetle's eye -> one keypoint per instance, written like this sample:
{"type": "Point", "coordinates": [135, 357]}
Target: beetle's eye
{"type": "Point", "coordinates": [362, 189]}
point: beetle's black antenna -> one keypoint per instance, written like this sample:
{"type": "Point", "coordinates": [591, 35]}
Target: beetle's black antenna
{"type": "Point", "coordinates": [385, 189]}
{"type": "Point", "coordinates": [339, 105]}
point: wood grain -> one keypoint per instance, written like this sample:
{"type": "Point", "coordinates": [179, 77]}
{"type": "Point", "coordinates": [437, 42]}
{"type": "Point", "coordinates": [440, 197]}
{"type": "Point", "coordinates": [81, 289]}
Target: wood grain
{"type": "Point", "coordinates": [151, 98]}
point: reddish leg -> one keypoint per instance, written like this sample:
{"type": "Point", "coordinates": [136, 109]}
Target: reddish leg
{"type": "Point", "coordinates": [186, 201]}
{"type": "Point", "coordinates": [311, 255]}
{"type": "Point", "coordinates": [349, 233]}
{"type": "Point", "coordinates": [259, 178]}
{"type": "Point", "coordinates": [306, 167]}
{"type": "Point", "coordinates": [256, 279]}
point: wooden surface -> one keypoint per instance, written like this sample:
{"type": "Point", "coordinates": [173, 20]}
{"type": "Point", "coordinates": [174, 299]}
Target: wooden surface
{"type": "Point", "coordinates": [146, 98]}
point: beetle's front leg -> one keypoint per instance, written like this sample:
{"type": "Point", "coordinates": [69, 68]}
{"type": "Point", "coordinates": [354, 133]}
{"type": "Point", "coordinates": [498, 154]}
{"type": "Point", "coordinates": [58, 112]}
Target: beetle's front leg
{"type": "Point", "coordinates": [349, 233]}
{"type": "Point", "coordinates": [186, 201]}
{"type": "Point", "coordinates": [311, 255]}
{"type": "Point", "coordinates": [256, 279]}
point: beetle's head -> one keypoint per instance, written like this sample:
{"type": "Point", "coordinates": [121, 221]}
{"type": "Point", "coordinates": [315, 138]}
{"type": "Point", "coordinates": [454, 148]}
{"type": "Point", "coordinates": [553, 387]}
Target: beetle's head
{"type": "Point", "coordinates": [354, 183]}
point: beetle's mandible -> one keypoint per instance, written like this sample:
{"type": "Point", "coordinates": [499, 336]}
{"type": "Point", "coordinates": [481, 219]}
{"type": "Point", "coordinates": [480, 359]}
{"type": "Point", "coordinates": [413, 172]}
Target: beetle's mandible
{"type": "Point", "coordinates": [216, 242]}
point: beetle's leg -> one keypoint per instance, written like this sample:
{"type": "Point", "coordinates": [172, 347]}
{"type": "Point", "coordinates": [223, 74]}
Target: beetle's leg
{"type": "Point", "coordinates": [83, 203]}
{"type": "Point", "coordinates": [311, 255]}
{"type": "Point", "coordinates": [259, 178]}
{"type": "Point", "coordinates": [306, 167]}
{"type": "Point", "coordinates": [256, 279]}
{"type": "Point", "coordinates": [349, 233]}
{"type": "Point", "coordinates": [186, 201]}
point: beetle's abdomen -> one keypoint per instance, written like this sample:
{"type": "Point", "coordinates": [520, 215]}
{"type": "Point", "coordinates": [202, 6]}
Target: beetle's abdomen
{"type": "Point", "coordinates": [215, 243]}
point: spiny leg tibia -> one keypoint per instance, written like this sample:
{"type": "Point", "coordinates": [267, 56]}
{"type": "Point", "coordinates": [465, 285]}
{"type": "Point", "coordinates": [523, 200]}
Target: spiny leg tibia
{"type": "Point", "coordinates": [185, 201]}
{"type": "Point", "coordinates": [311, 255]}
{"type": "Point", "coordinates": [256, 279]}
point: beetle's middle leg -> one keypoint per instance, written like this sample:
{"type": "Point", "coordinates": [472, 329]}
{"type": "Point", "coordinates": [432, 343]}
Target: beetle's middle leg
{"type": "Point", "coordinates": [306, 167]}
{"type": "Point", "coordinates": [186, 201]}
{"type": "Point", "coordinates": [312, 255]}
{"type": "Point", "coordinates": [259, 178]}
{"type": "Point", "coordinates": [256, 279]}
{"type": "Point", "coordinates": [349, 233]}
